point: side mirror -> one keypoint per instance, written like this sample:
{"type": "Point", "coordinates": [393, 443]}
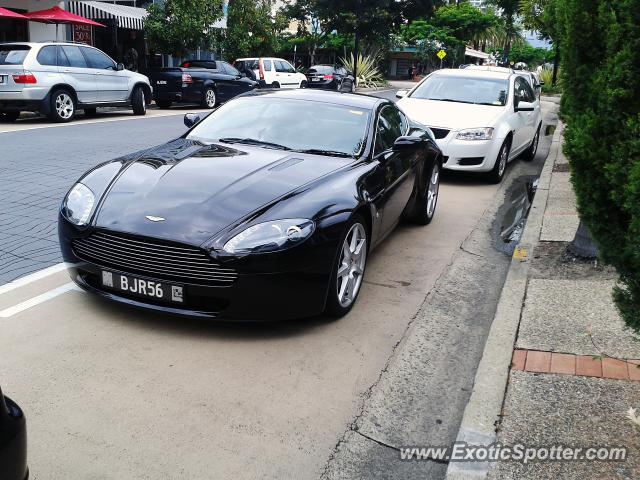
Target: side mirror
{"type": "Point", "coordinates": [524, 107]}
{"type": "Point", "coordinates": [541, 82]}
{"type": "Point", "coordinates": [119, 67]}
{"type": "Point", "coordinates": [401, 93]}
{"type": "Point", "coordinates": [190, 119]}
{"type": "Point", "coordinates": [407, 144]}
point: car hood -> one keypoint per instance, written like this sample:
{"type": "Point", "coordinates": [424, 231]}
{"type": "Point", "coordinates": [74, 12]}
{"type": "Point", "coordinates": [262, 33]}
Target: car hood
{"type": "Point", "coordinates": [199, 190]}
{"type": "Point", "coordinates": [451, 115]}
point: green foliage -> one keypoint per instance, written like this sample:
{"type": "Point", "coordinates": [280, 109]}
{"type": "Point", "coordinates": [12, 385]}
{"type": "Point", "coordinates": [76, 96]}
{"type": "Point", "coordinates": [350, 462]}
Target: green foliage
{"type": "Point", "coordinates": [177, 26]}
{"type": "Point", "coordinates": [601, 106]}
{"type": "Point", "coordinates": [452, 28]}
{"type": "Point", "coordinates": [509, 10]}
{"type": "Point", "coordinates": [252, 30]}
{"type": "Point", "coordinates": [546, 75]}
{"type": "Point", "coordinates": [530, 55]}
{"type": "Point", "coordinates": [368, 75]}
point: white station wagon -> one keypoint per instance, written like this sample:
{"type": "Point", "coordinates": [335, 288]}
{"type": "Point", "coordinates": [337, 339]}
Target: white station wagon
{"type": "Point", "coordinates": [480, 119]}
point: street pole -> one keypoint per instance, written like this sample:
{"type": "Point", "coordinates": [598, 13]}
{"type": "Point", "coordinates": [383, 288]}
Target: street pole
{"type": "Point", "coordinates": [356, 47]}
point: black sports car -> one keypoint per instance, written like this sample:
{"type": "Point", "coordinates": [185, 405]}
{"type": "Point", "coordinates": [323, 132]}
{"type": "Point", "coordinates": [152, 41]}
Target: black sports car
{"type": "Point", "coordinates": [265, 209]}
{"type": "Point", "coordinates": [13, 441]}
{"type": "Point", "coordinates": [330, 77]}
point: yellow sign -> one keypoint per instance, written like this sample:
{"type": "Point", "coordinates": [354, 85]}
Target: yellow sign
{"type": "Point", "coordinates": [520, 253]}
{"type": "Point", "coordinates": [441, 54]}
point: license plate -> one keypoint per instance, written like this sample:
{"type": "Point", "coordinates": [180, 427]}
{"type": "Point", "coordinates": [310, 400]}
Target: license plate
{"type": "Point", "coordinates": [140, 287]}
{"type": "Point", "coordinates": [161, 82]}
{"type": "Point", "coordinates": [315, 79]}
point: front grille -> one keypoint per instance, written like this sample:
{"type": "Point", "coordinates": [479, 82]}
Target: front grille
{"type": "Point", "coordinates": [153, 258]}
{"type": "Point", "coordinates": [439, 133]}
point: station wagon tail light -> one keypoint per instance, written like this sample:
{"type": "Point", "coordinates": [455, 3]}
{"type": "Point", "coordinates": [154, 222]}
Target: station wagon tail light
{"type": "Point", "coordinates": [24, 77]}
{"type": "Point", "coordinates": [186, 78]}
{"type": "Point", "coordinates": [260, 69]}
{"type": "Point", "coordinates": [328, 77]}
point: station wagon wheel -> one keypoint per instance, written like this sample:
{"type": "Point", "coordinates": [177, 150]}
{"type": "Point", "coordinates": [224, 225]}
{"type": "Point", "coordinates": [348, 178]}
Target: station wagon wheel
{"type": "Point", "coordinates": [349, 269]}
{"type": "Point", "coordinates": [497, 173]}
{"type": "Point", "coordinates": [209, 98]}
{"type": "Point", "coordinates": [63, 106]}
{"type": "Point", "coordinates": [303, 84]}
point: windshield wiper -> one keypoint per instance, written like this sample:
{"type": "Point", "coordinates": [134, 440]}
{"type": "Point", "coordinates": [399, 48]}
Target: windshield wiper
{"type": "Point", "coordinates": [319, 151]}
{"type": "Point", "coordinates": [448, 100]}
{"type": "Point", "coordinates": [253, 141]}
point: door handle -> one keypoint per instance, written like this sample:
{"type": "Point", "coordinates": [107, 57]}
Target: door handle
{"type": "Point", "coordinates": [66, 70]}
{"type": "Point", "coordinates": [98, 73]}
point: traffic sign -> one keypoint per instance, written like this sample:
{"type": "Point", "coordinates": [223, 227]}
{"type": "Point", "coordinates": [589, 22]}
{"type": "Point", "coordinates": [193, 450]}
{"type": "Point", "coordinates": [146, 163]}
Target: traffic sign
{"type": "Point", "coordinates": [441, 54]}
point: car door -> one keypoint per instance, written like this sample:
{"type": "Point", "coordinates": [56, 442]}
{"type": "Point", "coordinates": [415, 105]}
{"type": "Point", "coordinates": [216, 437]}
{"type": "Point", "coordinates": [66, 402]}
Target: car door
{"type": "Point", "coordinates": [235, 79]}
{"type": "Point", "coordinates": [112, 84]}
{"type": "Point", "coordinates": [521, 121]}
{"type": "Point", "coordinates": [285, 74]}
{"type": "Point", "coordinates": [76, 72]}
{"type": "Point", "coordinates": [399, 174]}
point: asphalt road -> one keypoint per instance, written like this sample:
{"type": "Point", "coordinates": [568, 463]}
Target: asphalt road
{"type": "Point", "coordinates": [112, 392]}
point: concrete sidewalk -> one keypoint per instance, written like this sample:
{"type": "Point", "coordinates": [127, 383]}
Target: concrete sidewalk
{"type": "Point", "coordinates": [555, 315]}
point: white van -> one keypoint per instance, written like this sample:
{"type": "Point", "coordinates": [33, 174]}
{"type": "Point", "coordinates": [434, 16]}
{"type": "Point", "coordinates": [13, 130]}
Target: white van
{"type": "Point", "coordinates": [272, 72]}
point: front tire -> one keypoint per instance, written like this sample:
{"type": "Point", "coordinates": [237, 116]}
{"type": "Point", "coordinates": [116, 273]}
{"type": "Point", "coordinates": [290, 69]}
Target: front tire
{"type": "Point", "coordinates": [348, 271]}
{"type": "Point", "coordinates": [429, 201]}
{"type": "Point", "coordinates": [530, 152]}
{"type": "Point", "coordinates": [138, 102]}
{"type": "Point", "coordinates": [303, 84]}
{"type": "Point", "coordinates": [63, 106]}
{"type": "Point", "coordinates": [209, 98]}
{"type": "Point", "coordinates": [8, 117]}
{"type": "Point", "coordinates": [497, 173]}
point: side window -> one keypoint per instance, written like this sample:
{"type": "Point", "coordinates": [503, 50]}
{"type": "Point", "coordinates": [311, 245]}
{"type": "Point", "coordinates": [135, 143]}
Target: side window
{"type": "Point", "coordinates": [74, 56]}
{"type": "Point", "coordinates": [280, 66]}
{"type": "Point", "coordinates": [97, 59]}
{"type": "Point", "coordinates": [388, 128]}
{"type": "Point", "coordinates": [229, 70]}
{"type": "Point", "coordinates": [266, 65]}
{"type": "Point", "coordinates": [288, 67]}
{"type": "Point", "coordinates": [404, 123]}
{"type": "Point", "coordinates": [47, 56]}
{"type": "Point", "coordinates": [523, 90]}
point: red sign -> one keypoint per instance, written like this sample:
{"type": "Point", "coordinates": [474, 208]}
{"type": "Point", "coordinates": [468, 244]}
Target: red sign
{"type": "Point", "coordinates": [82, 34]}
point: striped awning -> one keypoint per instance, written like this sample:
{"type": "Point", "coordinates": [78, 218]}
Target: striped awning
{"type": "Point", "coordinates": [125, 16]}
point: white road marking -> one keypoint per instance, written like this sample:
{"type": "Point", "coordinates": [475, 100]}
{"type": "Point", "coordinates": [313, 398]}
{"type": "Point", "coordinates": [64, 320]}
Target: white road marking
{"type": "Point", "coordinates": [32, 277]}
{"type": "Point", "coordinates": [32, 302]}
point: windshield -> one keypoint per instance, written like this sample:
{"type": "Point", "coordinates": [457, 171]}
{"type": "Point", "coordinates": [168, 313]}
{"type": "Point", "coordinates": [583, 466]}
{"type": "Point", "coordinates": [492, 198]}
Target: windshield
{"type": "Point", "coordinates": [463, 89]}
{"type": "Point", "coordinates": [13, 54]}
{"type": "Point", "coordinates": [299, 125]}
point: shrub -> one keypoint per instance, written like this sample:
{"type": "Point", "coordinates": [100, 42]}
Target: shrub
{"type": "Point", "coordinates": [368, 75]}
{"type": "Point", "coordinates": [600, 45]}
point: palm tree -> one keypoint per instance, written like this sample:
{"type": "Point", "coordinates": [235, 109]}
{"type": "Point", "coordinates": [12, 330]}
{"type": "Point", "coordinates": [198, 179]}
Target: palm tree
{"type": "Point", "coordinates": [508, 10]}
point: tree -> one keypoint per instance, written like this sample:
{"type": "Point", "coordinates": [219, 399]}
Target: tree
{"type": "Point", "coordinates": [532, 56]}
{"type": "Point", "coordinates": [509, 11]}
{"type": "Point", "coordinates": [540, 16]}
{"type": "Point", "coordinates": [252, 29]}
{"type": "Point", "coordinates": [178, 26]}
{"type": "Point", "coordinates": [601, 107]}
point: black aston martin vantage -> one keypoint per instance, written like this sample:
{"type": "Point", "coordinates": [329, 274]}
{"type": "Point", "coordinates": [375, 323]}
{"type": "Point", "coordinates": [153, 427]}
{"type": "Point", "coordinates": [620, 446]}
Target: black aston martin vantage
{"type": "Point", "coordinates": [265, 209]}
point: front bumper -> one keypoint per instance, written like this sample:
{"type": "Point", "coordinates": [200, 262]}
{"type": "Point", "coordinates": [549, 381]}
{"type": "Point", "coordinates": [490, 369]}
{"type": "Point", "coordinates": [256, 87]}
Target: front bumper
{"type": "Point", "coordinates": [469, 155]}
{"type": "Point", "coordinates": [281, 286]}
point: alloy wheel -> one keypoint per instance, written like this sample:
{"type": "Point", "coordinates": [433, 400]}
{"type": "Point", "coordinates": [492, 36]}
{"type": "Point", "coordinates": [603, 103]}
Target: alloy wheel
{"type": "Point", "coordinates": [502, 166]}
{"type": "Point", "coordinates": [351, 265]}
{"type": "Point", "coordinates": [210, 98]}
{"type": "Point", "coordinates": [432, 190]}
{"type": "Point", "coordinates": [64, 106]}
{"type": "Point", "coordinates": [536, 139]}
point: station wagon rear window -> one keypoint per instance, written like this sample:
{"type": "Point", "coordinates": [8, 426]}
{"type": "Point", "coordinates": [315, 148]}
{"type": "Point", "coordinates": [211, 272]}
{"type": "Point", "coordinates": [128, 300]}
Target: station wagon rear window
{"type": "Point", "coordinates": [13, 54]}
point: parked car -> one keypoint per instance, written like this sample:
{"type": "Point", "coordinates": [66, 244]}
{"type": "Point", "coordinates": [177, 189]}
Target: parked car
{"type": "Point", "coordinates": [206, 82]}
{"type": "Point", "coordinates": [272, 72]}
{"type": "Point", "coordinates": [331, 77]}
{"type": "Point", "coordinates": [271, 218]}
{"type": "Point", "coordinates": [480, 119]}
{"type": "Point", "coordinates": [13, 441]}
{"type": "Point", "coordinates": [58, 78]}
{"type": "Point", "coordinates": [534, 80]}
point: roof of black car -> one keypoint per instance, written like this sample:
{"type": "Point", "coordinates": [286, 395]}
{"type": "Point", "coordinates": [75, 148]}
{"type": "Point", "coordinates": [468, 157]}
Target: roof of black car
{"type": "Point", "coordinates": [355, 100]}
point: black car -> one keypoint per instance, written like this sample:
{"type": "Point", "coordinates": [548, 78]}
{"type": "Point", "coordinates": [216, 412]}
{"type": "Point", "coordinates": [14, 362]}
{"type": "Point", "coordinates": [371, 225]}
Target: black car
{"type": "Point", "coordinates": [265, 209]}
{"type": "Point", "coordinates": [330, 77]}
{"type": "Point", "coordinates": [206, 82]}
{"type": "Point", "coordinates": [13, 441]}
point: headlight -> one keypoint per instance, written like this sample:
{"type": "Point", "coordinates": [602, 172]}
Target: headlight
{"type": "Point", "coordinates": [78, 204]}
{"type": "Point", "coordinates": [271, 236]}
{"type": "Point", "coordinates": [475, 134]}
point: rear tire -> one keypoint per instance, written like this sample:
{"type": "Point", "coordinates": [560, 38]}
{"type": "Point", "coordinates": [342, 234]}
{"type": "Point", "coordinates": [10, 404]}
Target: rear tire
{"type": "Point", "coordinates": [62, 106]}
{"type": "Point", "coordinates": [275, 85]}
{"type": "Point", "coordinates": [164, 104]}
{"type": "Point", "coordinates": [341, 298]}
{"type": "Point", "coordinates": [8, 117]}
{"type": "Point", "coordinates": [209, 98]}
{"type": "Point", "coordinates": [138, 102]}
{"type": "Point", "coordinates": [497, 174]}
{"type": "Point", "coordinates": [530, 152]}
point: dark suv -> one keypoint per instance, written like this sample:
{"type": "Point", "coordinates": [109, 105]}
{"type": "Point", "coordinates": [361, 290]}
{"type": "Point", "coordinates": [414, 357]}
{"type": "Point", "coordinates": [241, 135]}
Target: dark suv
{"type": "Point", "coordinates": [330, 77]}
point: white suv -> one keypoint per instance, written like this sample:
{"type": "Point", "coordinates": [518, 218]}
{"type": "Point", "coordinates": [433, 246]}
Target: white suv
{"type": "Point", "coordinates": [57, 78]}
{"type": "Point", "coordinates": [272, 72]}
{"type": "Point", "coordinates": [480, 119]}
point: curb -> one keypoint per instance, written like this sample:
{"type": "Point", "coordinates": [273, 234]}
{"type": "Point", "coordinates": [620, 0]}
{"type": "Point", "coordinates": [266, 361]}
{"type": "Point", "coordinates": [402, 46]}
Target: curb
{"type": "Point", "coordinates": [482, 413]}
